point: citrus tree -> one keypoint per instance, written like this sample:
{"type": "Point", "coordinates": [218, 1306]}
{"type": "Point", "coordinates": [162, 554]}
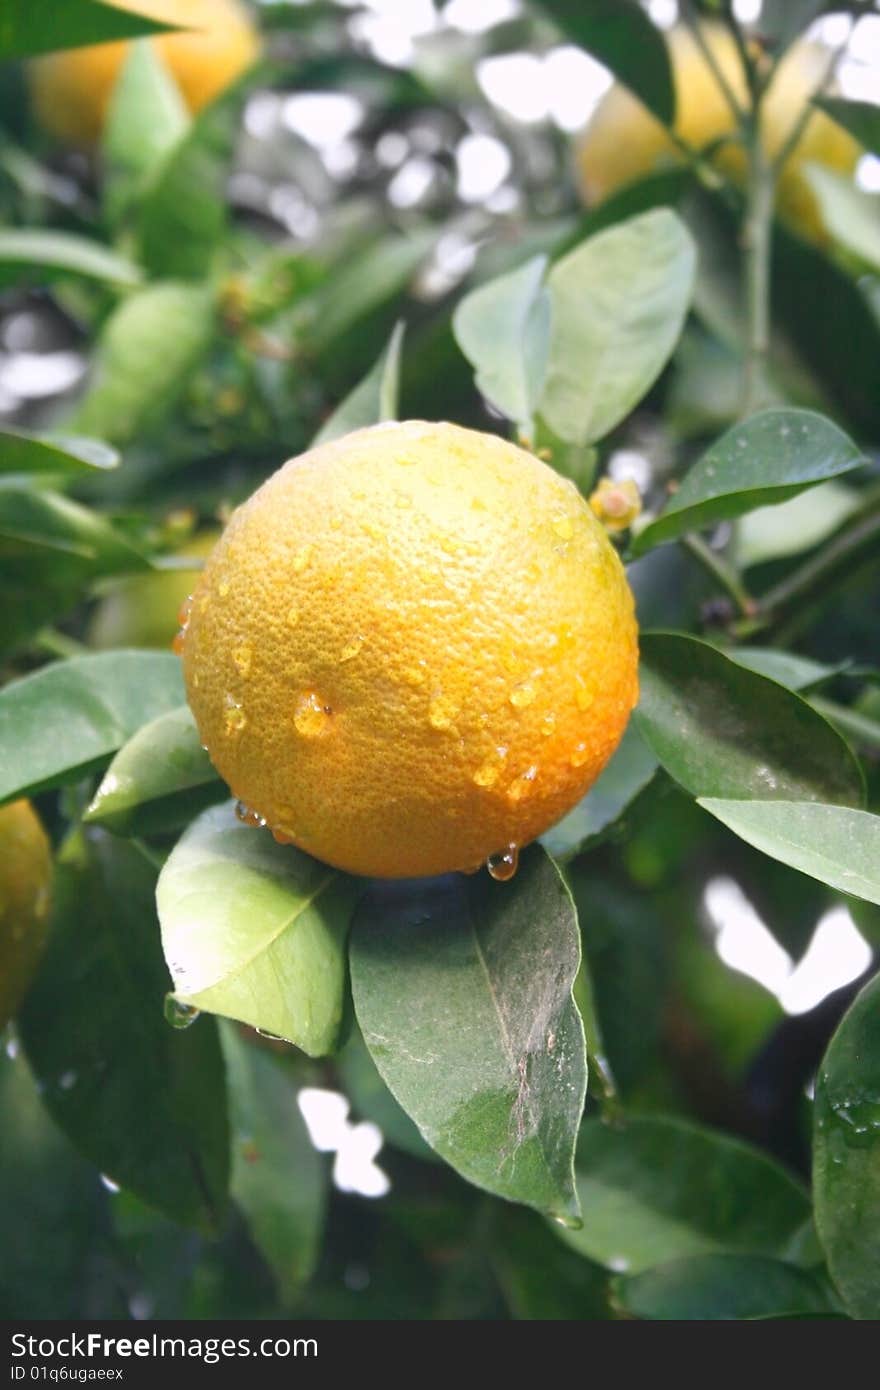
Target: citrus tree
{"type": "Point", "coordinates": [404, 859]}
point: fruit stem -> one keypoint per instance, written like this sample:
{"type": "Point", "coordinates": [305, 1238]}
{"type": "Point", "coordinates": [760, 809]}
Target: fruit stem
{"type": "Point", "coordinates": [757, 242]}
{"type": "Point", "coordinates": [721, 570]}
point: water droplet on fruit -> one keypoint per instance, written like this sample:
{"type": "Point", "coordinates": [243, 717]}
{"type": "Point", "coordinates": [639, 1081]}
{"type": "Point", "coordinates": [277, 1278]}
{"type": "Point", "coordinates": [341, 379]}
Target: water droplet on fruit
{"type": "Point", "coordinates": [564, 527]}
{"type": "Point", "coordinates": [415, 675]}
{"type": "Point", "coordinates": [486, 776]}
{"type": "Point", "coordinates": [351, 649]}
{"type": "Point", "coordinates": [583, 696]}
{"type": "Point", "coordinates": [282, 837]}
{"type": "Point", "coordinates": [580, 755]}
{"type": "Point", "coordinates": [335, 522]}
{"type": "Point", "coordinates": [223, 588]}
{"type": "Point", "coordinates": [522, 785]}
{"type": "Point", "coordinates": [234, 717]}
{"type": "Point", "coordinates": [249, 817]}
{"type": "Point", "coordinates": [184, 611]}
{"type": "Point", "coordinates": [548, 724]}
{"type": "Point", "coordinates": [242, 657]}
{"type": "Point", "coordinates": [522, 695]}
{"type": "Point", "coordinates": [178, 1014]}
{"type": "Point", "coordinates": [178, 642]}
{"type": "Point", "coordinates": [292, 615]}
{"type": "Point", "coordinates": [503, 865]}
{"type": "Point", "coordinates": [441, 712]}
{"type": "Point", "coordinates": [311, 717]}
{"type": "Point", "coordinates": [301, 559]}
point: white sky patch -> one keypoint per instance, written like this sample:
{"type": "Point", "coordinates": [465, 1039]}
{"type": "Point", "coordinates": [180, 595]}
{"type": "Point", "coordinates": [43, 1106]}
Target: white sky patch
{"type": "Point", "coordinates": [868, 173]}
{"type": "Point", "coordinates": [411, 182]}
{"type": "Point", "coordinates": [476, 16]}
{"type": "Point", "coordinates": [663, 12]}
{"type": "Point", "coordinates": [32, 376]}
{"type": "Point", "coordinates": [747, 11]}
{"type": "Point", "coordinates": [564, 85]}
{"type": "Point", "coordinates": [323, 119]}
{"type": "Point", "coordinates": [483, 164]}
{"type": "Point", "coordinates": [836, 955]}
{"type": "Point", "coordinates": [514, 82]}
{"type": "Point", "coordinates": [356, 1145]}
{"type": "Point", "coordinates": [629, 464]}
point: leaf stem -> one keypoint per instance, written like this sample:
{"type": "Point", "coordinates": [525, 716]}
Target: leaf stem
{"type": "Point", "coordinates": [693, 23]}
{"type": "Point", "coordinates": [839, 560]}
{"type": "Point", "coordinates": [721, 570]}
{"type": "Point", "coordinates": [757, 241]}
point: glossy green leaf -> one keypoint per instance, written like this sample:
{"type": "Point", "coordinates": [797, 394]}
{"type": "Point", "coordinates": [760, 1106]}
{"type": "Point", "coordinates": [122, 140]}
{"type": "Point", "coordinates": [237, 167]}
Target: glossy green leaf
{"type": "Point", "coordinates": [849, 213]}
{"type": "Point", "coordinates": [145, 118]}
{"type": "Point", "coordinates": [463, 991]}
{"type": "Point", "coordinates": [26, 250]}
{"type": "Point", "coordinates": [620, 35]}
{"type": "Point", "coordinates": [619, 302]}
{"type": "Point", "coordinates": [653, 1190]}
{"type": "Point", "coordinates": [159, 779]}
{"type": "Point", "coordinates": [146, 353]}
{"type": "Point", "coordinates": [846, 1153]}
{"type": "Point", "coordinates": [503, 329]}
{"type": "Point", "coordinates": [256, 931]}
{"type": "Point", "coordinates": [39, 524]}
{"type": "Point", "coordinates": [182, 211]}
{"type": "Point", "coordinates": [786, 668]}
{"type": "Point", "coordinates": [714, 1288]}
{"type": "Point", "coordinates": [61, 455]}
{"type": "Point", "coordinates": [768, 458]}
{"type": "Point", "coordinates": [629, 772]}
{"type": "Point", "coordinates": [372, 1100]}
{"type": "Point", "coordinates": [860, 118]}
{"type": "Point", "coordinates": [837, 845]}
{"type": "Point", "coordinates": [790, 528]}
{"type": "Point", "coordinates": [373, 400]}
{"type": "Point", "coordinates": [145, 1102]}
{"type": "Point", "coordinates": [98, 701]}
{"type": "Point", "coordinates": [28, 27]}
{"type": "Point", "coordinates": [278, 1178]}
{"type": "Point", "coordinates": [722, 731]}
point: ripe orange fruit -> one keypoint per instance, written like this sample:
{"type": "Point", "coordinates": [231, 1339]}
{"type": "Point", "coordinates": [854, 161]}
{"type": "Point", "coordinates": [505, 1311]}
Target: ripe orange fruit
{"type": "Point", "coordinates": [25, 876]}
{"type": "Point", "coordinates": [624, 142]}
{"type": "Point", "coordinates": [71, 89]}
{"type": "Point", "coordinates": [413, 648]}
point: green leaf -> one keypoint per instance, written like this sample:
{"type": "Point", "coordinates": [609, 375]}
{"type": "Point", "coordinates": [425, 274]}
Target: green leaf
{"type": "Point", "coordinates": [790, 528]}
{"type": "Point", "coordinates": [373, 400]}
{"type": "Point", "coordinates": [145, 118]}
{"type": "Point", "coordinates": [621, 36]}
{"type": "Point", "coordinates": [147, 351]}
{"type": "Point", "coordinates": [860, 118]}
{"type": "Point", "coordinates": [158, 781]}
{"type": "Point", "coordinates": [794, 672]}
{"type": "Point", "coordinates": [722, 731]}
{"type": "Point", "coordinates": [834, 844]}
{"type": "Point", "coordinates": [619, 302]}
{"type": "Point", "coordinates": [851, 215]}
{"type": "Point", "coordinates": [47, 254]}
{"type": "Point", "coordinates": [42, 26]}
{"type": "Point", "coordinates": [846, 1153]}
{"type": "Point", "coordinates": [278, 1178]}
{"type": "Point", "coordinates": [716, 1288]}
{"type": "Point", "coordinates": [372, 1099]}
{"type": "Point", "coordinates": [463, 991]}
{"type": "Point", "coordinates": [33, 523]}
{"type": "Point", "coordinates": [255, 931]}
{"type": "Point", "coordinates": [98, 701]}
{"type": "Point", "coordinates": [503, 329]}
{"type": "Point", "coordinates": [627, 775]}
{"type": "Point", "coordinates": [144, 1102]}
{"type": "Point", "coordinates": [771, 457]}
{"type": "Point", "coordinates": [55, 455]}
{"type": "Point", "coordinates": [658, 1189]}
{"type": "Point", "coordinates": [182, 213]}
